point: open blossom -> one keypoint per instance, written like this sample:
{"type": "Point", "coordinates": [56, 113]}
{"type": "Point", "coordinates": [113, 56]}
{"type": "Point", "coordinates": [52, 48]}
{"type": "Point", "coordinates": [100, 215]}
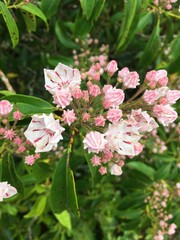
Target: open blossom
{"type": "Point", "coordinates": [114, 96]}
{"type": "Point", "coordinates": [62, 77]}
{"type": "Point", "coordinates": [6, 190]}
{"type": "Point", "coordinates": [111, 67]}
{"type": "Point", "coordinates": [115, 170]}
{"type": "Point", "coordinates": [94, 142]}
{"type": "Point", "coordinates": [69, 116]}
{"type": "Point", "coordinates": [44, 132]}
{"type": "Point", "coordinates": [5, 107]}
{"type": "Point", "coordinates": [62, 98]}
{"type": "Point", "coordinates": [122, 137]}
{"type": "Point", "coordinates": [165, 114]}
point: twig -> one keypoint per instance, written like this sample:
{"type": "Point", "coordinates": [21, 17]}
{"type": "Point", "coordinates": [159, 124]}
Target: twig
{"type": "Point", "coordinates": [6, 82]}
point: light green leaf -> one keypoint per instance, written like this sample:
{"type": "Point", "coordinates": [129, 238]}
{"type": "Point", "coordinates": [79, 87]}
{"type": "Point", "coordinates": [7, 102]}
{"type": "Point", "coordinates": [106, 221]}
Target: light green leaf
{"type": "Point", "coordinates": [38, 208]}
{"type": "Point", "coordinates": [6, 92]}
{"type": "Point", "coordinates": [64, 219]}
{"type": "Point", "coordinates": [30, 21]}
{"type": "Point", "coordinates": [31, 8]}
{"type": "Point", "coordinates": [143, 168]}
{"type": "Point", "coordinates": [87, 7]}
{"type": "Point", "coordinates": [10, 23]}
{"type": "Point", "coordinates": [63, 192]}
{"type": "Point", "coordinates": [49, 7]}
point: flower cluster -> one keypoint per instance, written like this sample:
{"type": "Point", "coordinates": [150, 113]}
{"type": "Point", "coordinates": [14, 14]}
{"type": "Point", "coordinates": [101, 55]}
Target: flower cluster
{"type": "Point", "coordinates": [14, 140]}
{"type": "Point", "coordinates": [167, 4]}
{"type": "Point", "coordinates": [6, 190]}
{"type": "Point", "coordinates": [113, 123]}
{"type": "Point", "coordinates": [158, 202]}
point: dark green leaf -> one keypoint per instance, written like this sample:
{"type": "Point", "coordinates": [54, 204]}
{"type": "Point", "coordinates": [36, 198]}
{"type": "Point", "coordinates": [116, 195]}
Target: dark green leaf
{"type": "Point", "coordinates": [10, 23]}
{"type": "Point", "coordinates": [163, 172]}
{"type": "Point", "coordinates": [49, 7]}
{"type": "Point", "coordinates": [87, 7]}
{"type": "Point", "coordinates": [143, 168]}
{"type": "Point", "coordinates": [41, 171]}
{"type": "Point", "coordinates": [82, 26]}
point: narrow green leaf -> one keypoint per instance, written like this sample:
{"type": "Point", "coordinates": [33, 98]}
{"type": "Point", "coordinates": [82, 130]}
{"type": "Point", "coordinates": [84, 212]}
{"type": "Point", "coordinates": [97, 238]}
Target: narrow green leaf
{"type": "Point", "coordinates": [143, 168]}
{"type": "Point", "coordinates": [38, 208]}
{"type": "Point", "coordinates": [163, 172]}
{"type": "Point", "coordinates": [63, 192]}
{"type": "Point", "coordinates": [30, 21]}
{"type": "Point", "coordinates": [92, 169]}
{"type": "Point", "coordinates": [151, 49]}
{"type": "Point", "coordinates": [82, 26]}
{"type": "Point", "coordinates": [129, 14]}
{"type": "Point", "coordinates": [31, 8]}
{"type": "Point", "coordinates": [10, 23]}
{"type": "Point", "coordinates": [87, 7]}
{"type": "Point", "coordinates": [64, 219]}
{"type": "Point", "coordinates": [145, 19]}
{"type": "Point", "coordinates": [6, 92]}
{"type": "Point", "coordinates": [9, 174]}
{"type": "Point", "coordinates": [49, 7]}
{"type": "Point", "coordinates": [99, 5]}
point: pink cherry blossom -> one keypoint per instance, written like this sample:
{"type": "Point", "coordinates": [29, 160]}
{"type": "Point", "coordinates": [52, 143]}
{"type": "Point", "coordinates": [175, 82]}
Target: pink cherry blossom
{"type": "Point", "coordinates": [69, 116]}
{"type": "Point", "coordinates": [111, 67]}
{"type": "Point", "coordinates": [44, 132]}
{"type": "Point", "coordinates": [131, 80]}
{"type": "Point", "coordinates": [94, 142]}
{"type": "Point", "coordinates": [115, 170]}
{"type": "Point", "coordinates": [99, 121]}
{"type": "Point", "coordinates": [6, 190]}
{"type": "Point", "coordinates": [114, 115]}
{"type": "Point", "coordinates": [165, 114]}
{"type": "Point", "coordinates": [114, 96]}
{"type": "Point", "coordinates": [62, 77]}
{"type": "Point", "coordinates": [5, 107]}
{"type": "Point", "coordinates": [62, 98]}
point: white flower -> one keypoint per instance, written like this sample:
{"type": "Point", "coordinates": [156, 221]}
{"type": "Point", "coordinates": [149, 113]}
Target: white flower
{"type": "Point", "coordinates": [44, 132]}
{"type": "Point", "coordinates": [62, 77]}
{"type": "Point", "coordinates": [6, 190]}
{"type": "Point", "coordinates": [122, 137]}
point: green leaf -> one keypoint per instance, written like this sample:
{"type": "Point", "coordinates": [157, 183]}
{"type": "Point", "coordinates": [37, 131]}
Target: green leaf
{"type": "Point", "coordinates": [49, 7]}
{"type": "Point", "coordinates": [10, 23]}
{"type": "Point", "coordinates": [92, 169]}
{"type": "Point", "coordinates": [63, 37]}
{"type": "Point", "coordinates": [87, 7]}
{"type": "Point", "coordinates": [38, 208]}
{"type": "Point", "coordinates": [31, 8]}
{"type": "Point", "coordinates": [41, 171]}
{"type": "Point", "coordinates": [130, 213]}
{"type": "Point", "coordinates": [6, 93]}
{"type": "Point", "coordinates": [30, 21]}
{"type": "Point", "coordinates": [29, 105]}
{"type": "Point", "coordinates": [151, 49]}
{"type": "Point", "coordinates": [144, 20]}
{"type": "Point", "coordinates": [129, 14]}
{"type": "Point", "coordinates": [99, 5]}
{"type": "Point", "coordinates": [143, 168]}
{"type": "Point", "coordinates": [64, 219]}
{"type": "Point", "coordinates": [9, 174]}
{"type": "Point", "coordinates": [163, 172]}
{"type": "Point", "coordinates": [82, 26]}
{"type": "Point", "coordinates": [63, 192]}
{"type": "Point", "coordinates": [53, 61]}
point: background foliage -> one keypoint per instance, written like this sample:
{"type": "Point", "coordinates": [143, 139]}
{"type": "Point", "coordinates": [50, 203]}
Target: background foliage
{"type": "Point", "coordinates": [40, 34]}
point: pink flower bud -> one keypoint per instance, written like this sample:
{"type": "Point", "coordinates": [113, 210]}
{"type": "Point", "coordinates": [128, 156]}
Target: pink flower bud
{"type": "Point", "coordinates": [168, 6]}
{"type": "Point", "coordinates": [114, 114]}
{"type": "Point", "coordinates": [163, 101]}
{"type": "Point", "coordinates": [165, 114]}
{"type": "Point", "coordinates": [115, 96]}
{"type": "Point", "coordinates": [9, 134]}
{"type": "Point", "coordinates": [5, 107]}
{"type": "Point", "coordinates": [96, 160]}
{"type": "Point", "coordinates": [17, 140]}
{"type": "Point", "coordinates": [69, 116]}
{"type": "Point", "coordinates": [150, 96]}
{"type": "Point", "coordinates": [131, 80]}
{"type": "Point", "coordinates": [111, 67]}
{"type": "Point", "coordinates": [172, 96]}
{"type": "Point", "coordinates": [85, 95]}
{"type": "Point", "coordinates": [102, 170]}
{"type": "Point", "coordinates": [151, 76]}
{"type": "Point", "coordinates": [85, 117]}
{"type": "Point", "coordinates": [115, 170]}
{"type": "Point", "coordinates": [100, 121]}
{"type": "Point", "coordinates": [62, 98]}
{"type": "Point", "coordinates": [77, 93]}
{"type": "Point", "coordinates": [94, 90]}
{"type": "Point", "coordinates": [17, 115]}
{"type": "Point", "coordinates": [123, 73]}
{"type": "Point", "coordinates": [21, 149]}
{"type": "Point", "coordinates": [29, 160]}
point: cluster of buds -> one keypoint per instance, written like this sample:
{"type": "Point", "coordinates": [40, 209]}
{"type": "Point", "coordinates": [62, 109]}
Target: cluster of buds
{"type": "Point", "coordinates": [113, 126]}
{"type": "Point", "coordinates": [14, 140]}
{"type": "Point", "coordinates": [6, 190]}
{"type": "Point", "coordinates": [167, 4]}
{"type": "Point", "coordinates": [157, 209]}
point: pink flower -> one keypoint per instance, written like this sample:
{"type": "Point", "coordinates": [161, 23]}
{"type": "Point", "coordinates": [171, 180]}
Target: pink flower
{"type": "Point", "coordinates": [69, 116]}
{"type": "Point", "coordinates": [122, 137]}
{"type": "Point", "coordinates": [17, 115]}
{"type": "Point", "coordinates": [62, 98]}
{"type": "Point", "coordinates": [9, 134]}
{"type": "Point", "coordinates": [85, 117]}
{"type": "Point", "coordinates": [165, 114]}
{"type": "Point", "coordinates": [2, 130]}
{"type": "Point", "coordinates": [151, 76]}
{"type": "Point", "coordinates": [102, 170]}
{"type": "Point", "coordinates": [17, 140]}
{"type": "Point", "coordinates": [44, 132]}
{"type": "Point", "coordinates": [5, 107]}
{"type": "Point", "coordinates": [138, 148]}
{"type": "Point", "coordinates": [29, 160]}
{"type": "Point", "coordinates": [77, 93]}
{"type": "Point", "coordinates": [114, 96]}
{"type": "Point", "coordinates": [21, 149]}
{"type": "Point", "coordinates": [131, 80]}
{"type": "Point", "coordinates": [94, 90]}
{"type": "Point", "coordinates": [94, 142]}
{"type": "Point", "coordinates": [168, 6]}
{"type": "Point", "coordinates": [150, 96]}
{"type": "Point", "coordinates": [62, 77]}
{"type": "Point", "coordinates": [111, 67]}
{"type": "Point", "coordinates": [94, 73]}
{"type": "Point", "coordinates": [6, 190]}
{"type": "Point", "coordinates": [85, 95]}
{"type": "Point", "coordinates": [96, 160]}
{"type": "Point", "coordinates": [172, 229]}
{"type": "Point", "coordinates": [123, 73]}
{"type": "Point", "coordinates": [99, 121]}
{"type": "Point", "coordinates": [114, 115]}
{"type": "Point", "coordinates": [172, 96]}
{"type": "Point", "coordinates": [115, 170]}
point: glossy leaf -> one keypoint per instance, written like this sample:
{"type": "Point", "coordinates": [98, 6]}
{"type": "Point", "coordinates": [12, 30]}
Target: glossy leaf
{"type": "Point", "coordinates": [49, 7]}
{"type": "Point", "coordinates": [143, 168]}
{"type": "Point", "coordinates": [87, 7]}
{"type": "Point", "coordinates": [30, 21]}
{"type": "Point", "coordinates": [37, 208]}
{"type": "Point", "coordinates": [10, 23]}
{"type": "Point", "coordinates": [63, 192]}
